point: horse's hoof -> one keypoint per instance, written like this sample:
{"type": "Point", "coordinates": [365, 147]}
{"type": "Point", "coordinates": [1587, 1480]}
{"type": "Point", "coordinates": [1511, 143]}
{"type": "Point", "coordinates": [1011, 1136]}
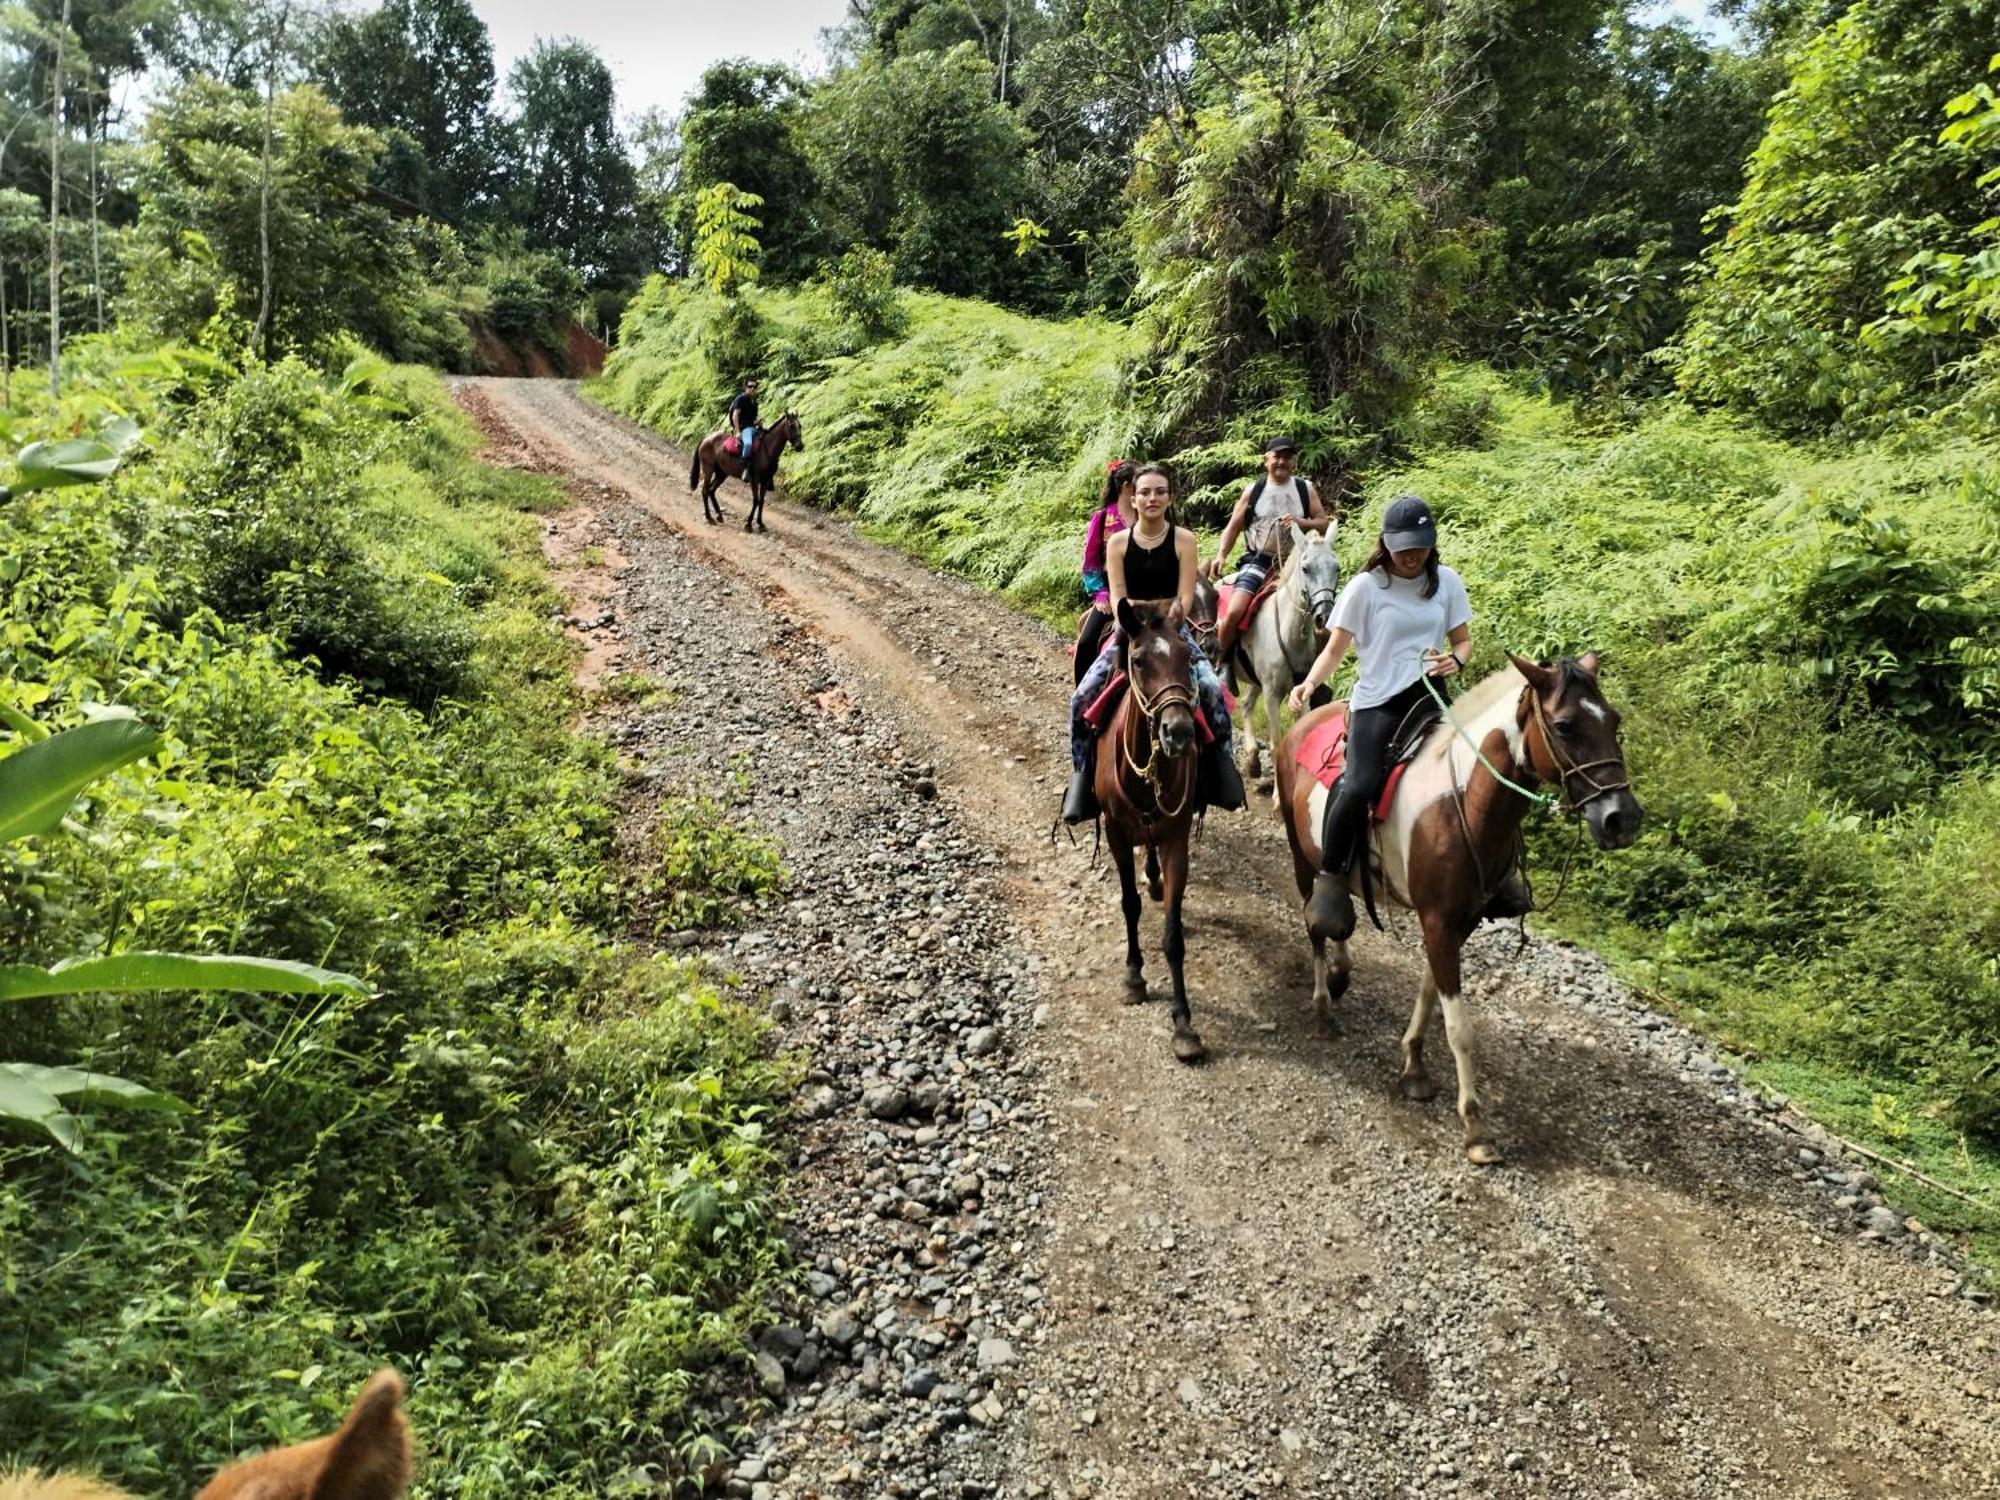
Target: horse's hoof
{"type": "Point", "coordinates": [762, 527]}
{"type": "Point", "coordinates": [1418, 1086]}
{"type": "Point", "coordinates": [1483, 1154]}
{"type": "Point", "coordinates": [1337, 982]}
{"type": "Point", "coordinates": [1157, 891]}
{"type": "Point", "coordinates": [1188, 1046]}
{"type": "Point", "coordinates": [1134, 994]}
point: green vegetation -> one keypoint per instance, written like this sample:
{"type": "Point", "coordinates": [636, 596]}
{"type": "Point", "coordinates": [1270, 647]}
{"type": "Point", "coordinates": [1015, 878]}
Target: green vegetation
{"type": "Point", "coordinates": [527, 1163]}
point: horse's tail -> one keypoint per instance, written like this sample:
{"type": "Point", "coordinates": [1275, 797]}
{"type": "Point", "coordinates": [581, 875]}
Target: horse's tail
{"type": "Point", "coordinates": [694, 467]}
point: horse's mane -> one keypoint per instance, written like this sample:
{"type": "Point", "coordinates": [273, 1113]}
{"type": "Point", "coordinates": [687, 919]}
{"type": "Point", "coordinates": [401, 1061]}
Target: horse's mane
{"type": "Point", "coordinates": [1479, 708]}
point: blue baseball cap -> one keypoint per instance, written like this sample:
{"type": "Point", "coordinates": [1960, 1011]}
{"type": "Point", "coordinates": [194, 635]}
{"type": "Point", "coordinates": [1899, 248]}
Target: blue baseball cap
{"type": "Point", "coordinates": [1407, 524]}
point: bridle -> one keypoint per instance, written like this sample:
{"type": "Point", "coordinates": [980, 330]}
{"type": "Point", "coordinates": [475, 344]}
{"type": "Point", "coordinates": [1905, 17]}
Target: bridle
{"type": "Point", "coordinates": [1174, 693]}
{"type": "Point", "coordinates": [1573, 805]}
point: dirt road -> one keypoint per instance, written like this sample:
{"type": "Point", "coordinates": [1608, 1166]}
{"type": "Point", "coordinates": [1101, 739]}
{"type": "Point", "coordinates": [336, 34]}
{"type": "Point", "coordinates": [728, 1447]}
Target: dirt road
{"type": "Point", "coordinates": [1272, 1274]}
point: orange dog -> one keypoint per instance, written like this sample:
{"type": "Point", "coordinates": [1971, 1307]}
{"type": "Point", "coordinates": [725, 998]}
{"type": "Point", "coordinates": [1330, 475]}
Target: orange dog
{"type": "Point", "coordinates": [367, 1459]}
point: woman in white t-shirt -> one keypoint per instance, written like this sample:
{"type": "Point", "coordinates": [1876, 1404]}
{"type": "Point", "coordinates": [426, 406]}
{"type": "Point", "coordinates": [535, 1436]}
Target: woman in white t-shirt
{"type": "Point", "coordinates": [1395, 612]}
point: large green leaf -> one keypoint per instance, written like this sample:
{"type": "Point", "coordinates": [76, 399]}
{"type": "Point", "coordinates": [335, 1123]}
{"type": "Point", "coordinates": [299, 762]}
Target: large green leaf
{"type": "Point", "coordinates": [128, 973]}
{"type": "Point", "coordinates": [30, 1104]}
{"type": "Point", "coordinates": [38, 784]}
{"type": "Point", "coordinates": [82, 1086]}
{"type": "Point", "coordinates": [31, 1094]}
{"type": "Point", "coordinates": [66, 461]}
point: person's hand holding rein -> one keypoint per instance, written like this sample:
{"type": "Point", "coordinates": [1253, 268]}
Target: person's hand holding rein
{"type": "Point", "coordinates": [1442, 663]}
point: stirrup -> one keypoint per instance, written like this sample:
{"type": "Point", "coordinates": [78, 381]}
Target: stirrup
{"type": "Point", "coordinates": [1510, 898]}
{"type": "Point", "coordinates": [1080, 800]}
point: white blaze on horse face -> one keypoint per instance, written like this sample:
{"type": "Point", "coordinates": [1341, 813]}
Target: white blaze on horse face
{"type": "Point", "coordinates": [1595, 709]}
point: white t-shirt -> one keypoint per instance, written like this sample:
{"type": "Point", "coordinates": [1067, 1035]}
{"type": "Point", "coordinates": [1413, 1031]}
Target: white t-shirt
{"type": "Point", "coordinates": [1273, 505]}
{"type": "Point", "coordinates": [1393, 627]}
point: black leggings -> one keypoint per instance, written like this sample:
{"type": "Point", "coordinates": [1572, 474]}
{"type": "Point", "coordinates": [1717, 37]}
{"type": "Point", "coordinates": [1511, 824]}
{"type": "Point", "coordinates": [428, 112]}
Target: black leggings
{"type": "Point", "coordinates": [1369, 731]}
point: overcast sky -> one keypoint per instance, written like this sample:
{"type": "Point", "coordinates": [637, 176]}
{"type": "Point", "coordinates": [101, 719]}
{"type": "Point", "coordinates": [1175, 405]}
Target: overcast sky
{"type": "Point", "coordinates": [657, 50]}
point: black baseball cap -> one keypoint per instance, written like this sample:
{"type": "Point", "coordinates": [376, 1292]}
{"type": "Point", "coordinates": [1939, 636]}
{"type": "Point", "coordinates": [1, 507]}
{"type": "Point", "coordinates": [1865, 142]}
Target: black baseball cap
{"type": "Point", "coordinates": [1407, 523]}
{"type": "Point", "coordinates": [1281, 445]}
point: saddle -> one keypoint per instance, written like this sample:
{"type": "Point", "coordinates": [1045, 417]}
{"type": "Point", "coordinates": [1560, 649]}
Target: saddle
{"type": "Point", "coordinates": [1225, 594]}
{"type": "Point", "coordinates": [1323, 752]}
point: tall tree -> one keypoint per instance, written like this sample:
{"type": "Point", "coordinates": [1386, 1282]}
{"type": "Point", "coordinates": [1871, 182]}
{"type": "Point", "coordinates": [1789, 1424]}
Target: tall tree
{"type": "Point", "coordinates": [1850, 180]}
{"type": "Point", "coordinates": [573, 189]}
{"type": "Point", "coordinates": [338, 262]}
{"type": "Point", "coordinates": [918, 159]}
{"type": "Point", "coordinates": [744, 125]}
{"type": "Point", "coordinates": [423, 68]}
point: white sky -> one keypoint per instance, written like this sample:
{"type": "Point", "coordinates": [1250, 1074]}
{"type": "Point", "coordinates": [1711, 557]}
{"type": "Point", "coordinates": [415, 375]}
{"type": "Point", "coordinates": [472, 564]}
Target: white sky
{"type": "Point", "coordinates": [657, 51]}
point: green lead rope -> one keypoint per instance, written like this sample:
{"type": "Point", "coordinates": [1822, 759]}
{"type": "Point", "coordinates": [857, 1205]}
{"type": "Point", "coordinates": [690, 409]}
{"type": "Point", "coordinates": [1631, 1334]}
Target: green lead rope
{"type": "Point", "coordinates": [1541, 799]}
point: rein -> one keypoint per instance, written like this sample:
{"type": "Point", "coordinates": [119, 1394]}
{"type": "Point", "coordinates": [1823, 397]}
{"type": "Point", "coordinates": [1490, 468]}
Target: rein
{"type": "Point", "coordinates": [1149, 773]}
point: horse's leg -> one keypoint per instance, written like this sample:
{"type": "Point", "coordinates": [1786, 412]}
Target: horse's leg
{"type": "Point", "coordinates": [1128, 884]}
{"type": "Point", "coordinates": [1442, 946]}
{"type": "Point", "coordinates": [1275, 688]}
{"type": "Point", "coordinates": [1153, 887]}
{"type": "Point", "coordinates": [1246, 753]}
{"type": "Point", "coordinates": [1187, 1041]}
{"type": "Point", "coordinates": [1416, 1083]}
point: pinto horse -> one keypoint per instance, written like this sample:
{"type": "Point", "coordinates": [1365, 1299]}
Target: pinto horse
{"type": "Point", "coordinates": [368, 1458]}
{"type": "Point", "coordinates": [712, 464]}
{"type": "Point", "coordinates": [1451, 833]}
{"type": "Point", "coordinates": [1145, 782]}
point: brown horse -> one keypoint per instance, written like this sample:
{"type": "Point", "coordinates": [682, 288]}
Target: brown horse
{"type": "Point", "coordinates": [1453, 828]}
{"type": "Point", "coordinates": [759, 468]}
{"type": "Point", "coordinates": [1145, 782]}
{"type": "Point", "coordinates": [367, 1459]}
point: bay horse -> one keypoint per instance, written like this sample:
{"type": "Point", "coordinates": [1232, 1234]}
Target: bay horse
{"type": "Point", "coordinates": [1452, 832]}
{"type": "Point", "coordinates": [712, 464]}
{"type": "Point", "coordinates": [1284, 636]}
{"type": "Point", "coordinates": [368, 1458]}
{"type": "Point", "coordinates": [1145, 783]}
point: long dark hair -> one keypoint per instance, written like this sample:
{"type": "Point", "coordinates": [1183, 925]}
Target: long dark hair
{"type": "Point", "coordinates": [1120, 475]}
{"type": "Point", "coordinates": [1378, 563]}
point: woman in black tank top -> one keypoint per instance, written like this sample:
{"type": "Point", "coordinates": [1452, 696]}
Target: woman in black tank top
{"type": "Point", "coordinates": [1153, 559]}
{"type": "Point", "coordinates": [1152, 572]}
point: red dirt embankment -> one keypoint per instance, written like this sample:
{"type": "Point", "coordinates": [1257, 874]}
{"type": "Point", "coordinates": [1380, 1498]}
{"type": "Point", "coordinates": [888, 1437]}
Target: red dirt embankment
{"type": "Point", "coordinates": [582, 354]}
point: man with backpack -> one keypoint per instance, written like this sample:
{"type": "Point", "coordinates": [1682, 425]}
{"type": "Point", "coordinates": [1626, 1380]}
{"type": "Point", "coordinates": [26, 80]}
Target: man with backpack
{"type": "Point", "coordinates": [1278, 502]}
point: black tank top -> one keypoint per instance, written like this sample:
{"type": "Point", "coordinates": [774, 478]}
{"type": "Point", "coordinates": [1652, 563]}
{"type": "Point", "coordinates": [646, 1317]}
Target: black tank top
{"type": "Point", "coordinates": [1151, 572]}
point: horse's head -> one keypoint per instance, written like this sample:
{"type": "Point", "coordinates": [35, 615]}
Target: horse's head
{"type": "Point", "coordinates": [1318, 573]}
{"type": "Point", "coordinates": [1160, 670]}
{"type": "Point", "coordinates": [1572, 742]}
{"type": "Point", "coordinates": [790, 430]}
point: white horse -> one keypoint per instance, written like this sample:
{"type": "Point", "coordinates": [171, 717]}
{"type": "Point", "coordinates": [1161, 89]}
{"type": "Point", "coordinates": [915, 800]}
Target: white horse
{"type": "Point", "coordinates": [1284, 637]}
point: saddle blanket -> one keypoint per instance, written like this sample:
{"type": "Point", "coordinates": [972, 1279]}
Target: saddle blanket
{"type": "Point", "coordinates": [1225, 593]}
{"type": "Point", "coordinates": [1098, 714]}
{"type": "Point", "coordinates": [733, 446]}
{"type": "Point", "coordinates": [1323, 752]}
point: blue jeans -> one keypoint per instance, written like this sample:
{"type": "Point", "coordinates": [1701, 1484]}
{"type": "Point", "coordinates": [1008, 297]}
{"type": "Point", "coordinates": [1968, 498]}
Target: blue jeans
{"type": "Point", "coordinates": [1207, 686]}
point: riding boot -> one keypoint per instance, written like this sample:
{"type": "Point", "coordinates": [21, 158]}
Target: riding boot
{"type": "Point", "coordinates": [1219, 782]}
{"type": "Point", "coordinates": [1330, 908]}
{"type": "Point", "coordinates": [1080, 801]}
{"type": "Point", "coordinates": [1511, 898]}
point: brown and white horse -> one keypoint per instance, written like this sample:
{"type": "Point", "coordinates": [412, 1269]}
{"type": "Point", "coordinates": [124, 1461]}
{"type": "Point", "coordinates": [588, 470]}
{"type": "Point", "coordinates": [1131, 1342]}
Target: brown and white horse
{"type": "Point", "coordinates": [758, 468]}
{"type": "Point", "coordinates": [1452, 832]}
{"type": "Point", "coordinates": [368, 1458]}
{"type": "Point", "coordinates": [1145, 783]}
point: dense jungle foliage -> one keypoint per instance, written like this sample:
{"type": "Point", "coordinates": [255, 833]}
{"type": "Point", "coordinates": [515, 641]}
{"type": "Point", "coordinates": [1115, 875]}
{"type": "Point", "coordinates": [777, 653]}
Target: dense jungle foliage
{"type": "Point", "coordinates": [1689, 334]}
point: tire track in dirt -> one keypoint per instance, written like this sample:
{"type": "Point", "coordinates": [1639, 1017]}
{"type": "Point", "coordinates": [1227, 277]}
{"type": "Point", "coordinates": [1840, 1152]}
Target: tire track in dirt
{"type": "Point", "coordinates": [1272, 1274]}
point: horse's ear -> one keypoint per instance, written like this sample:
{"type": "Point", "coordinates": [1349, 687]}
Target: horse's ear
{"type": "Point", "coordinates": [1541, 677]}
{"type": "Point", "coordinates": [1588, 663]}
{"type": "Point", "coordinates": [1175, 614]}
{"type": "Point", "coordinates": [1128, 617]}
